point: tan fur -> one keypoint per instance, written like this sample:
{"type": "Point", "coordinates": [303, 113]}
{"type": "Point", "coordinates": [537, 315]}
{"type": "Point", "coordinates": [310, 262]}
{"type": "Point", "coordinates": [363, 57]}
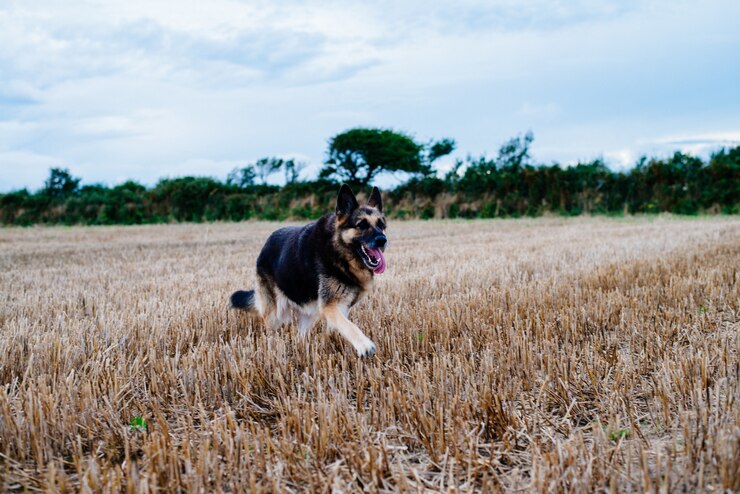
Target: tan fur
{"type": "Point", "coordinates": [371, 215]}
{"type": "Point", "coordinates": [359, 271]}
{"type": "Point", "coordinates": [348, 235]}
{"type": "Point", "coordinates": [336, 318]}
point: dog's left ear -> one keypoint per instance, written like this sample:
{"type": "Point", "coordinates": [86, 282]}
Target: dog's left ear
{"type": "Point", "coordinates": [375, 201]}
{"type": "Point", "coordinates": [346, 201]}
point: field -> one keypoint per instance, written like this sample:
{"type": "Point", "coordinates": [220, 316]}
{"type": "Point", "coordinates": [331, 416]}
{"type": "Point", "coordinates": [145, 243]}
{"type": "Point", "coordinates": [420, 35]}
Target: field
{"type": "Point", "coordinates": [552, 355]}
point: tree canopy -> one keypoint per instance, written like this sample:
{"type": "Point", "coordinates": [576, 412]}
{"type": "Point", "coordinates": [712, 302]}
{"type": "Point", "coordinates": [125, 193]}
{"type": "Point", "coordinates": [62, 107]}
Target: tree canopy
{"type": "Point", "coordinates": [61, 183]}
{"type": "Point", "coordinates": [358, 155]}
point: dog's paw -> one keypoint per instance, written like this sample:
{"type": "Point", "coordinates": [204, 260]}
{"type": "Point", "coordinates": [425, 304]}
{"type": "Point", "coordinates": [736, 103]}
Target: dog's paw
{"type": "Point", "coordinates": [366, 348]}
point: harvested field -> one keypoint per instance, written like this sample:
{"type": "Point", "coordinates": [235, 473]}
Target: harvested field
{"type": "Point", "coordinates": [551, 355]}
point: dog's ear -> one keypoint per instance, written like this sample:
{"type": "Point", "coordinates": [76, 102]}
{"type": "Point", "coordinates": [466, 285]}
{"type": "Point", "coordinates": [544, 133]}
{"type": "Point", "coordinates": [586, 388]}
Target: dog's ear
{"type": "Point", "coordinates": [346, 201]}
{"type": "Point", "coordinates": [375, 201]}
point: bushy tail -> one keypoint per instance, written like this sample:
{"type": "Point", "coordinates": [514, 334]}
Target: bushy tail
{"type": "Point", "coordinates": [243, 299]}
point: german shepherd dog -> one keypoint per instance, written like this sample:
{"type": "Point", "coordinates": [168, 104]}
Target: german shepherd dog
{"type": "Point", "coordinates": [321, 270]}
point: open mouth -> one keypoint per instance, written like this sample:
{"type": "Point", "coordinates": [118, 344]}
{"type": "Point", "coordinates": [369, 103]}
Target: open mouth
{"type": "Point", "coordinates": [373, 258]}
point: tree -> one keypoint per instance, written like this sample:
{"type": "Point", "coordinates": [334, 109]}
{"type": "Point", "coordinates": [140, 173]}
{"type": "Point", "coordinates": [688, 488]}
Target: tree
{"type": "Point", "coordinates": [242, 177]}
{"type": "Point", "coordinates": [723, 173]}
{"type": "Point", "coordinates": [266, 167]}
{"type": "Point", "coordinates": [60, 184]}
{"type": "Point", "coordinates": [515, 152]}
{"type": "Point", "coordinates": [358, 155]}
{"type": "Point", "coordinates": [292, 170]}
{"type": "Point", "coordinates": [436, 150]}
{"type": "Point", "coordinates": [263, 168]}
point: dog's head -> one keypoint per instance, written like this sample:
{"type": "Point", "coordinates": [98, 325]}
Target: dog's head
{"type": "Point", "coordinates": [361, 229]}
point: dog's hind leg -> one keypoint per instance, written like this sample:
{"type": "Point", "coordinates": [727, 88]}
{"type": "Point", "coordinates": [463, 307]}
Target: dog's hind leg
{"type": "Point", "coordinates": [307, 321]}
{"type": "Point", "coordinates": [266, 302]}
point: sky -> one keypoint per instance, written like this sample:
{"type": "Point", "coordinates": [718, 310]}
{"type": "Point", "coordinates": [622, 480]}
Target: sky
{"type": "Point", "coordinates": [137, 89]}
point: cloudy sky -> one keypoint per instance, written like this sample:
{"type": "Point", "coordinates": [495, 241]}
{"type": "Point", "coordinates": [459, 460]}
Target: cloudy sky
{"type": "Point", "coordinates": [142, 89]}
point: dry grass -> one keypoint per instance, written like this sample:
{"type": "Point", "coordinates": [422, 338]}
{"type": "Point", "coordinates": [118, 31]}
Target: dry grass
{"type": "Point", "coordinates": [543, 355]}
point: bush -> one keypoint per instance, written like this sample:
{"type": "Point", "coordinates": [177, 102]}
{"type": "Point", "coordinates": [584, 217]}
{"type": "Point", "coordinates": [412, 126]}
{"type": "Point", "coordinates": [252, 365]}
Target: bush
{"type": "Point", "coordinates": [507, 186]}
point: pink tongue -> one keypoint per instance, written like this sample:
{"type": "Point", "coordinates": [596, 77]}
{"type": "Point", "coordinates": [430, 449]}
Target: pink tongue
{"type": "Point", "coordinates": [377, 254]}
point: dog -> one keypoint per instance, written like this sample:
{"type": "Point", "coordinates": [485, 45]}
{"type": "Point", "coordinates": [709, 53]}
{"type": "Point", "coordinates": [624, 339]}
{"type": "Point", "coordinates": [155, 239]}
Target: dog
{"type": "Point", "coordinates": [321, 270]}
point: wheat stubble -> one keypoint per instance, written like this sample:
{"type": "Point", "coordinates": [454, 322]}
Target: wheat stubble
{"type": "Point", "coordinates": [578, 355]}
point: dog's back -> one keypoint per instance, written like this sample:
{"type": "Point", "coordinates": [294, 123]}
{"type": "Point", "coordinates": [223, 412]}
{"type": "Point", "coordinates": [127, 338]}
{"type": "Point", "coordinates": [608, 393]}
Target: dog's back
{"type": "Point", "coordinates": [288, 259]}
{"type": "Point", "coordinates": [278, 260]}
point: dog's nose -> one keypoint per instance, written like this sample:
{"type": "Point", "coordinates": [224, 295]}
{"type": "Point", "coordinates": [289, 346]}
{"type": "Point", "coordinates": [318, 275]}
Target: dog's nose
{"type": "Point", "coordinates": [380, 241]}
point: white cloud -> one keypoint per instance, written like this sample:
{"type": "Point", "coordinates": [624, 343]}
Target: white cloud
{"type": "Point", "coordinates": [620, 159]}
{"type": "Point", "coordinates": [705, 138]}
{"type": "Point", "coordinates": [547, 109]}
{"type": "Point", "coordinates": [699, 144]}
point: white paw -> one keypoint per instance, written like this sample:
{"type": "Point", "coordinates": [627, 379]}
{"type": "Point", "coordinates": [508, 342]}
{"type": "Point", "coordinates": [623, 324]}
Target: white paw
{"type": "Point", "coordinates": [366, 348]}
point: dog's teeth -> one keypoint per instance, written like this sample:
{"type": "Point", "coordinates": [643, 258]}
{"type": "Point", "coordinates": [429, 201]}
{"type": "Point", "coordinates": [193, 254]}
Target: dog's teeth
{"type": "Point", "coordinates": [370, 260]}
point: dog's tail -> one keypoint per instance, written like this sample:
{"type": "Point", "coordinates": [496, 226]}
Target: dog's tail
{"type": "Point", "coordinates": [243, 299]}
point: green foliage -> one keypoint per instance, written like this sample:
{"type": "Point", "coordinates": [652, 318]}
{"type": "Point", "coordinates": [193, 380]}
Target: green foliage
{"type": "Point", "coordinates": [188, 198]}
{"type": "Point", "coordinates": [510, 185]}
{"type": "Point", "coordinates": [515, 152]}
{"type": "Point", "coordinates": [436, 150]}
{"type": "Point", "coordinates": [266, 167]}
{"type": "Point", "coordinates": [619, 434]}
{"type": "Point", "coordinates": [242, 178]}
{"type": "Point", "coordinates": [60, 184]}
{"type": "Point", "coordinates": [263, 168]}
{"type": "Point", "coordinates": [358, 155]}
{"type": "Point", "coordinates": [137, 424]}
{"type": "Point", "coordinates": [292, 170]}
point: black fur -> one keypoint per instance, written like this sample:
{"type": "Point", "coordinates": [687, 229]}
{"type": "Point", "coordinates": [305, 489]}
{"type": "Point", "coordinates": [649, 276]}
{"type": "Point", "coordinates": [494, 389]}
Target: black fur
{"type": "Point", "coordinates": [375, 200]}
{"type": "Point", "coordinates": [346, 201]}
{"type": "Point", "coordinates": [242, 299]}
{"type": "Point", "coordinates": [295, 257]}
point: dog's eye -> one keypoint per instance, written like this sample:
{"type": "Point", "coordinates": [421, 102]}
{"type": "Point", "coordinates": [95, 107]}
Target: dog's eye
{"type": "Point", "coordinates": [381, 225]}
{"type": "Point", "coordinates": [362, 225]}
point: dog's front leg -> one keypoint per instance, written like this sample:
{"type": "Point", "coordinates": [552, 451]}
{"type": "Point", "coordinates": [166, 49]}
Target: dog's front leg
{"type": "Point", "coordinates": [335, 317]}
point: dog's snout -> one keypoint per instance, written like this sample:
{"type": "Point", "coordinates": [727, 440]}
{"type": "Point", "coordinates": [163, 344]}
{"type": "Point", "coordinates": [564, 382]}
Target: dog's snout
{"type": "Point", "coordinates": [380, 241]}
